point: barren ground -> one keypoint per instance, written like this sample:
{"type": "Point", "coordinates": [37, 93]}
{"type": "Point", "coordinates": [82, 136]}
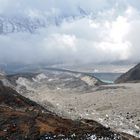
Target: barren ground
{"type": "Point", "coordinates": [76, 96]}
{"type": "Point", "coordinates": [116, 106]}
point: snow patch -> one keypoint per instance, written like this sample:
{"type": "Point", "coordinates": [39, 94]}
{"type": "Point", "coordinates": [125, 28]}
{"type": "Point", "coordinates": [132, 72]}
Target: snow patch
{"type": "Point", "coordinates": [41, 76]}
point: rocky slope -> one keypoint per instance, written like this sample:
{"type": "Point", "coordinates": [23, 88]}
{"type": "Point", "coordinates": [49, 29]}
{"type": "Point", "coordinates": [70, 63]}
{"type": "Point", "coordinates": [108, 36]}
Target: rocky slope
{"type": "Point", "coordinates": [133, 75]}
{"type": "Point", "coordinates": [20, 118]}
{"type": "Point", "coordinates": [77, 95]}
{"type": "Point", "coordinates": [55, 80]}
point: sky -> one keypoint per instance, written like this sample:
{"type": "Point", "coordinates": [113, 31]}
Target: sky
{"type": "Point", "coordinates": [107, 32]}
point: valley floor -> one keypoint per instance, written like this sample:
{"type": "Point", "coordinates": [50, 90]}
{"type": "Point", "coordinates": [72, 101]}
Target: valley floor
{"type": "Point", "coordinates": [116, 106]}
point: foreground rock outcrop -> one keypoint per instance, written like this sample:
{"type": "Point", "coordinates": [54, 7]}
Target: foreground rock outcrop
{"type": "Point", "coordinates": [133, 75]}
{"type": "Point", "coordinates": [20, 119]}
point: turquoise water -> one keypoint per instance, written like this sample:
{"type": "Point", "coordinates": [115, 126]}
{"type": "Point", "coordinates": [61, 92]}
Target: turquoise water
{"type": "Point", "coordinates": [106, 81]}
{"type": "Point", "coordinates": [107, 77]}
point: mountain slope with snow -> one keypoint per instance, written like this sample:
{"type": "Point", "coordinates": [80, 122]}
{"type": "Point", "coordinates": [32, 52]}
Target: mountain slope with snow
{"type": "Point", "coordinates": [15, 24]}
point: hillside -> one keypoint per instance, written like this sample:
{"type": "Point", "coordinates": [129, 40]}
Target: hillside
{"type": "Point", "coordinates": [21, 118]}
{"type": "Point", "coordinates": [133, 75]}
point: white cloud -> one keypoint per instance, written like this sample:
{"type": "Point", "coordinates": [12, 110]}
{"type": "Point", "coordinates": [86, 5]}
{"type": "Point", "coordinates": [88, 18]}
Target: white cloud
{"type": "Point", "coordinates": [61, 7]}
{"type": "Point", "coordinates": [112, 36]}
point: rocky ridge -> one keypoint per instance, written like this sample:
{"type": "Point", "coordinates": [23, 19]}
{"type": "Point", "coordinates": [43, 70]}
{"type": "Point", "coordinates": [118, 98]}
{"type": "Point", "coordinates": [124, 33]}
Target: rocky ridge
{"type": "Point", "coordinates": [132, 76]}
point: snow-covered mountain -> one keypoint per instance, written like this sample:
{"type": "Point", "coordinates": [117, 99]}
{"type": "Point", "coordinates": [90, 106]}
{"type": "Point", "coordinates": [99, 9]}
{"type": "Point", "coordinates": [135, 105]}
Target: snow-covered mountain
{"type": "Point", "coordinates": [15, 24]}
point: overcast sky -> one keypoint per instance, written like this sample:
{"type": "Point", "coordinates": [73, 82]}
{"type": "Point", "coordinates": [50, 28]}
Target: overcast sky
{"type": "Point", "coordinates": [109, 33]}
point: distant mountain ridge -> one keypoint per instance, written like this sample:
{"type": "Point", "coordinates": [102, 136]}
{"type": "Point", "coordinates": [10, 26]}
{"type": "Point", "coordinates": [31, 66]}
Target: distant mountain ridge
{"type": "Point", "coordinates": [13, 24]}
{"type": "Point", "coordinates": [16, 24]}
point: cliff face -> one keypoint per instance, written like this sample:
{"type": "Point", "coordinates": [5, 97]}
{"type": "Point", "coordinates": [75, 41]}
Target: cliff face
{"type": "Point", "coordinates": [22, 119]}
{"type": "Point", "coordinates": [133, 75]}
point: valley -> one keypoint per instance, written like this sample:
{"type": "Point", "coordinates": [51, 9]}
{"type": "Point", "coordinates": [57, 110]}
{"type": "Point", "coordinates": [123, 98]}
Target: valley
{"type": "Point", "coordinates": [79, 96]}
